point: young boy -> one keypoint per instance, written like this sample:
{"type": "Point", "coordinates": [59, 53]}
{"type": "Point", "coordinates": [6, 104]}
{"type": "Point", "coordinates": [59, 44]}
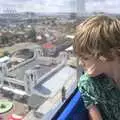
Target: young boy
{"type": "Point", "coordinates": [97, 43]}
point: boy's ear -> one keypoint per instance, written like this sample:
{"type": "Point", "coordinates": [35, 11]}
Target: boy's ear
{"type": "Point", "coordinates": [102, 58]}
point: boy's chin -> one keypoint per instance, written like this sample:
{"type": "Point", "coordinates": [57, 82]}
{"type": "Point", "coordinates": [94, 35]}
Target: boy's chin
{"type": "Point", "coordinates": [93, 74]}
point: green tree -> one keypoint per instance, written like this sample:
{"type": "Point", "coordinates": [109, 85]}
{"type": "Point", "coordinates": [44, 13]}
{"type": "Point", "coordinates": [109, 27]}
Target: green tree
{"type": "Point", "coordinates": [6, 53]}
{"type": "Point", "coordinates": [32, 34]}
{"type": "Point", "coordinates": [4, 39]}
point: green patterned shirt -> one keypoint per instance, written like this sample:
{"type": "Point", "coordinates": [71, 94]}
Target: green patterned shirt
{"type": "Point", "coordinates": [102, 92]}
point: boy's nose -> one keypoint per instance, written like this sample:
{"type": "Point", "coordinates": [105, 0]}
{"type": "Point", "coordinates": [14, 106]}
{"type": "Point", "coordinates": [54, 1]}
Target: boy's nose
{"type": "Point", "coordinates": [82, 63]}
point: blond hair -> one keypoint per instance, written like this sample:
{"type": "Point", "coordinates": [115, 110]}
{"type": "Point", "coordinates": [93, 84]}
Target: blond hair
{"type": "Point", "coordinates": [97, 36]}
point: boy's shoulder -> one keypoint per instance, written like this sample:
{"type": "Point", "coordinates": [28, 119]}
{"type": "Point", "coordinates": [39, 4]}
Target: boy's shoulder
{"type": "Point", "coordinates": [95, 84]}
{"type": "Point", "coordinates": [85, 79]}
{"type": "Point", "coordinates": [91, 83]}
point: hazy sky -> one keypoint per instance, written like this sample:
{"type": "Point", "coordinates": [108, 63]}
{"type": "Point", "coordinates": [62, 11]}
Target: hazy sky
{"type": "Point", "coordinates": [60, 5]}
{"type": "Point", "coordinates": [111, 6]}
{"type": "Point", "coordinates": [39, 5]}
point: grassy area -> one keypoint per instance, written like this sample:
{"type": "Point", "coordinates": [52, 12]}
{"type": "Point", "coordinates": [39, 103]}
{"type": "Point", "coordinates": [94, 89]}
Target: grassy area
{"type": "Point", "coordinates": [2, 52]}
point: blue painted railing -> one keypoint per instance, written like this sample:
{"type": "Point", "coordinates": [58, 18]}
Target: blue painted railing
{"type": "Point", "coordinates": [74, 110]}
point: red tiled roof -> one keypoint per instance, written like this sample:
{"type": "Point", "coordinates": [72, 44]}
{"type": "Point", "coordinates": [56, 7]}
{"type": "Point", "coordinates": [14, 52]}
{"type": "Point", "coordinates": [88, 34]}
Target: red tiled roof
{"type": "Point", "coordinates": [48, 45]}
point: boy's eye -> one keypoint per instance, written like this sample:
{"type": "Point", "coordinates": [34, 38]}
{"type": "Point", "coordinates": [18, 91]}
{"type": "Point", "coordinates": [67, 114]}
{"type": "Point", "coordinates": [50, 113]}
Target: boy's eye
{"type": "Point", "coordinates": [84, 58]}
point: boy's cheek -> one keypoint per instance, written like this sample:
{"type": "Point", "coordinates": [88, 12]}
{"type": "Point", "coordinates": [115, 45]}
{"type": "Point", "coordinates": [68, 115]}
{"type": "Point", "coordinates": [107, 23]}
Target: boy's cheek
{"type": "Point", "coordinates": [92, 70]}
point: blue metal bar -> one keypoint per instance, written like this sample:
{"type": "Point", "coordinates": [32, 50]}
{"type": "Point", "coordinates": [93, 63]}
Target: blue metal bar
{"type": "Point", "coordinates": [75, 109]}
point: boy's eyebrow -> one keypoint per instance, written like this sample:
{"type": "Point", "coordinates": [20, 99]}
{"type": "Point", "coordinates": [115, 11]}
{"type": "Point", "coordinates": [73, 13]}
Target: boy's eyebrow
{"type": "Point", "coordinates": [85, 57]}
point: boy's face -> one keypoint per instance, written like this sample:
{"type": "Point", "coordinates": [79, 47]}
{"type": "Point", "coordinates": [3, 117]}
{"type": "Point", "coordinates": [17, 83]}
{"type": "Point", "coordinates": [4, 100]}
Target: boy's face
{"type": "Point", "coordinates": [93, 66]}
